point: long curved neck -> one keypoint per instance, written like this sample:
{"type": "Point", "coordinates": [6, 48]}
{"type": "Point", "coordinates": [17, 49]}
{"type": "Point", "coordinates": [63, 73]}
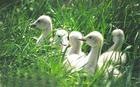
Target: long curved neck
{"type": "Point", "coordinates": [44, 34]}
{"type": "Point", "coordinates": [116, 46]}
{"type": "Point", "coordinates": [75, 49]}
{"type": "Point", "coordinates": [93, 58]}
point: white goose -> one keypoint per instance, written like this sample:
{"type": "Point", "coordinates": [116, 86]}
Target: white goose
{"type": "Point", "coordinates": [89, 62]}
{"type": "Point", "coordinates": [114, 54]}
{"type": "Point", "coordinates": [61, 38]}
{"type": "Point", "coordinates": [75, 43]}
{"type": "Point", "coordinates": [118, 39]}
{"type": "Point", "coordinates": [95, 40]}
{"type": "Point", "coordinates": [44, 22]}
{"type": "Point", "coordinates": [74, 52]}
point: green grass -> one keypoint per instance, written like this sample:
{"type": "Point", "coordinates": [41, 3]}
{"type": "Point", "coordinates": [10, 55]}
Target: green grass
{"type": "Point", "coordinates": [23, 64]}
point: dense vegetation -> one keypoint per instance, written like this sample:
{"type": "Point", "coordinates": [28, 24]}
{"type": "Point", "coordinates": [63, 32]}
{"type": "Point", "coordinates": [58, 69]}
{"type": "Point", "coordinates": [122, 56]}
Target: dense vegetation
{"type": "Point", "coordinates": [23, 64]}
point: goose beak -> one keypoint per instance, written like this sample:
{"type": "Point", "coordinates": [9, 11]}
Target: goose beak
{"type": "Point", "coordinates": [82, 39]}
{"type": "Point", "coordinates": [65, 44]}
{"type": "Point", "coordinates": [33, 25]}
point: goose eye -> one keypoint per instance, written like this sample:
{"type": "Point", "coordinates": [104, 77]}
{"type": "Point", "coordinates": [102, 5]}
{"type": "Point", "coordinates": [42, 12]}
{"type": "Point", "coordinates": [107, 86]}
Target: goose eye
{"type": "Point", "coordinates": [38, 21]}
{"type": "Point", "coordinates": [59, 36]}
{"type": "Point", "coordinates": [90, 37]}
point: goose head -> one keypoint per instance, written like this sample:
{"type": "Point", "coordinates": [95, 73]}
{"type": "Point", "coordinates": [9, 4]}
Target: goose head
{"type": "Point", "coordinates": [44, 22]}
{"type": "Point", "coordinates": [62, 36]}
{"type": "Point", "coordinates": [60, 33]}
{"type": "Point", "coordinates": [94, 39]}
{"type": "Point", "coordinates": [74, 41]}
{"type": "Point", "coordinates": [118, 36]}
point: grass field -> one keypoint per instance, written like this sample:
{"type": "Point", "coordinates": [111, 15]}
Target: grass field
{"type": "Point", "coordinates": [23, 64]}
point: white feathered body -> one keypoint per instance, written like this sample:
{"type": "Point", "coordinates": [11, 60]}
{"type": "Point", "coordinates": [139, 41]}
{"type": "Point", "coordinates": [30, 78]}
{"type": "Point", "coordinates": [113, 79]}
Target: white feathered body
{"type": "Point", "coordinates": [115, 57]}
{"type": "Point", "coordinates": [75, 62]}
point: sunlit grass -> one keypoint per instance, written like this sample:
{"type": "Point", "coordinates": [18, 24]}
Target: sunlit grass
{"type": "Point", "coordinates": [24, 64]}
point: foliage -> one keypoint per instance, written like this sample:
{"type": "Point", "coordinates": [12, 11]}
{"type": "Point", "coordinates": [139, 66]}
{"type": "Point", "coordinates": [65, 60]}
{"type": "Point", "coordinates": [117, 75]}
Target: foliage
{"type": "Point", "coordinates": [22, 63]}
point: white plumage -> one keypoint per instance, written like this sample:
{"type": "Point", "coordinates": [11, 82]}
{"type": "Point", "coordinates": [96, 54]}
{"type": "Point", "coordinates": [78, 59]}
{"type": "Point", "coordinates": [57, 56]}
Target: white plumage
{"type": "Point", "coordinates": [114, 54]}
{"type": "Point", "coordinates": [61, 38]}
{"type": "Point", "coordinates": [75, 43]}
{"type": "Point", "coordinates": [88, 63]}
{"type": "Point", "coordinates": [74, 54]}
{"type": "Point", "coordinates": [95, 40]}
{"type": "Point", "coordinates": [44, 22]}
{"type": "Point", "coordinates": [75, 58]}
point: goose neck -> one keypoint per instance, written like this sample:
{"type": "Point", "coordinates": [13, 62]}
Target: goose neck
{"type": "Point", "coordinates": [93, 55]}
{"type": "Point", "coordinates": [75, 50]}
{"type": "Point", "coordinates": [116, 46]}
{"type": "Point", "coordinates": [93, 58]}
{"type": "Point", "coordinates": [44, 34]}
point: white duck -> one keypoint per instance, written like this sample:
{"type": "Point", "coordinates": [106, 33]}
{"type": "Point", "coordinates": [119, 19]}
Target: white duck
{"type": "Point", "coordinates": [61, 38]}
{"type": "Point", "coordinates": [89, 62]}
{"type": "Point", "coordinates": [44, 22]}
{"type": "Point", "coordinates": [114, 55]}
